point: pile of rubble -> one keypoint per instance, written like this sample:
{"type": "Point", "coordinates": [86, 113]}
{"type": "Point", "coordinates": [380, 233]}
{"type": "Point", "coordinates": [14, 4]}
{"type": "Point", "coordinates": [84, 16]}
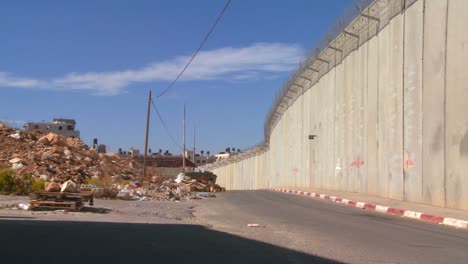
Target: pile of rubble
{"type": "Point", "coordinates": [182, 188]}
{"type": "Point", "coordinates": [66, 164]}
{"type": "Point", "coordinates": [54, 158]}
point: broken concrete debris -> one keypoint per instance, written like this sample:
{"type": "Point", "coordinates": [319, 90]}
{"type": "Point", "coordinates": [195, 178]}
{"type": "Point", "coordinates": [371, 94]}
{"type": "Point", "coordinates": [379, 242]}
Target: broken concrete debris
{"type": "Point", "coordinates": [54, 158]}
{"type": "Point", "coordinates": [182, 188]}
{"type": "Point", "coordinates": [66, 165]}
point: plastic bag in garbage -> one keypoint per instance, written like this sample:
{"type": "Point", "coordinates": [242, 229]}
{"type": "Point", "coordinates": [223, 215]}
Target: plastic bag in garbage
{"type": "Point", "coordinates": [15, 136]}
{"type": "Point", "coordinates": [205, 194]}
{"type": "Point", "coordinates": [23, 206]}
{"type": "Point", "coordinates": [179, 178]}
{"type": "Point", "coordinates": [17, 166]}
{"type": "Point", "coordinates": [124, 195]}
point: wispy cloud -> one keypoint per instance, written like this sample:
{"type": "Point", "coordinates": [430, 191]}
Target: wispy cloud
{"type": "Point", "coordinates": [260, 60]}
{"type": "Point", "coordinates": [12, 123]}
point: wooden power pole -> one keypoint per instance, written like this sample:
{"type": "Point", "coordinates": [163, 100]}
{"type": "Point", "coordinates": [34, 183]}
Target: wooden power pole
{"type": "Point", "coordinates": [147, 132]}
{"type": "Point", "coordinates": [183, 154]}
{"type": "Point", "coordinates": [193, 157]}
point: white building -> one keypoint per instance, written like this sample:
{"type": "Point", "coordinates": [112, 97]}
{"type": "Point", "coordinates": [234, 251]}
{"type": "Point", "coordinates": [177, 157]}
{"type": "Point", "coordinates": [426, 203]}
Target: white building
{"type": "Point", "coordinates": [59, 126]}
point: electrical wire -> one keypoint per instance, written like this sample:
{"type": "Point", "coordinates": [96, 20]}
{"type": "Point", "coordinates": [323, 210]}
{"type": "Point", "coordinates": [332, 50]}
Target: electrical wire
{"type": "Point", "coordinates": [197, 50]}
{"type": "Point", "coordinates": [165, 126]}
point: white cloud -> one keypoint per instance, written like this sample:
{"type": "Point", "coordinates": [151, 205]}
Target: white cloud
{"type": "Point", "coordinates": [6, 80]}
{"type": "Point", "coordinates": [13, 123]}
{"type": "Point", "coordinates": [260, 60]}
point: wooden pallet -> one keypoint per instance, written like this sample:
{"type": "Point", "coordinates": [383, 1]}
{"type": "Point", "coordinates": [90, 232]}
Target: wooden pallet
{"type": "Point", "coordinates": [65, 205]}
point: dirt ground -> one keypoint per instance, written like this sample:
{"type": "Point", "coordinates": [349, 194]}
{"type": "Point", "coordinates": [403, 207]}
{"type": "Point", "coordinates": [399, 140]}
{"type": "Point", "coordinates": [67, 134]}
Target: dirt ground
{"type": "Point", "coordinates": [118, 211]}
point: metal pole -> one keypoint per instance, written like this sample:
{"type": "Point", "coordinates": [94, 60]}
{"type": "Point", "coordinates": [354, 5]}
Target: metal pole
{"type": "Point", "coordinates": [183, 154]}
{"type": "Point", "coordinates": [147, 132]}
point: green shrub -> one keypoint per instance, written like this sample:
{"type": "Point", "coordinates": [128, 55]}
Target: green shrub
{"type": "Point", "coordinates": [38, 185]}
{"type": "Point", "coordinates": [7, 181]}
{"type": "Point", "coordinates": [19, 185]}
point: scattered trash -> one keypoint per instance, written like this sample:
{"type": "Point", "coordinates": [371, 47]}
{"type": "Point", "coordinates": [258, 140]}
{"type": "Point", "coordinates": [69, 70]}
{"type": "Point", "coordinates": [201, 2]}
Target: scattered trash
{"type": "Point", "coordinates": [205, 194]}
{"type": "Point", "coordinates": [23, 206]}
{"type": "Point", "coordinates": [67, 153]}
{"type": "Point", "coordinates": [254, 225]}
{"type": "Point", "coordinates": [181, 177]}
{"type": "Point", "coordinates": [16, 160]}
{"type": "Point", "coordinates": [17, 166]}
{"type": "Point", "coordinates": [124, 195]}
{"type": "Point", "coordinates": [60, 211]}
{"type": "Point", "coordinates": [15, 135]}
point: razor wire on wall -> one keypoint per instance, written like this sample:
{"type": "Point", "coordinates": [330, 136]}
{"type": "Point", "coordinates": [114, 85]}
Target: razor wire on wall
{"type": "Point", "coordinates": [359, 23]}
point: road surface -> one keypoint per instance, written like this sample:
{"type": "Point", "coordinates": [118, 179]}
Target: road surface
{"type": "Point", "coordinates": [333, 231]}
{"type": "Point", "coordinates": [292, 229]}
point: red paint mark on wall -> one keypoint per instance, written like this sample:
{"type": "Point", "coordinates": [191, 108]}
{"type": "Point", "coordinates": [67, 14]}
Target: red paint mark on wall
{"type": "Point", "coordinates": [295, 170]}
{"type": "Point", "coordinates": [357, 163]}
{"type": "Point", "coordinates": [409, 164]}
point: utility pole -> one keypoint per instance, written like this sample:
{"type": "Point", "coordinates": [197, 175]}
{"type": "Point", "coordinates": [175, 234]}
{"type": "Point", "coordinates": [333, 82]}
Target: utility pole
{"type": "Point", "coordinates": [147, 132]}
{"type": "Point", "coordinates": [183, 154]}
{"type": "Point", "coordinates": [194, 144]}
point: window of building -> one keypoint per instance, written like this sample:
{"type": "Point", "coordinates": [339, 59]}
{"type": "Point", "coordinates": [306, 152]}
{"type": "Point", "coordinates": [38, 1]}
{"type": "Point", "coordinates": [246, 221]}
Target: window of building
{"type": "Point", "coordinates": [48, 127]}
{"type": "Point", "coordinates": [60, 127]}
{"type": "Point", "coordinates": [36, 126]}
{"type": "Point", "coordinates": [69, 127]}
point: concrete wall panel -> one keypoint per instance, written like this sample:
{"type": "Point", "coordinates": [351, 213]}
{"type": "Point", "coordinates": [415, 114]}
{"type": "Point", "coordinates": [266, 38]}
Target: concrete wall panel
{"type": "Point", "coordinates": [412, 102]}
{"type": "Point", "coordinates": [361, 160]}
{"type": "Point", "coordinates": [383, 125]}
{"type": "Point", "coordinates": [456, 134]}
{"type": "Point", "coordinates": [372, 117]}
{"type": "Point", "coordinates": [339, 126]}
{"type": "Point", "coordinates": [305, 136]}
{"type": "Point", "coordinates": [390, 118]}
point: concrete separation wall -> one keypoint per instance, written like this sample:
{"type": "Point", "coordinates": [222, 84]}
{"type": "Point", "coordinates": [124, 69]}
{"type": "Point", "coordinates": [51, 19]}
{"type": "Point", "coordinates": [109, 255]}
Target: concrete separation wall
{"type": "Point", "coordinates": [382, 109]}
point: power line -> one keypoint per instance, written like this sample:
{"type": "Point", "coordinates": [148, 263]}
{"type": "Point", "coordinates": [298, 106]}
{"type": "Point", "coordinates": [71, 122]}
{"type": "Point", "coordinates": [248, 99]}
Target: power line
{"type": "Point", "coordinates": [198, 49]}
{"type": "Point", "coordinates": [165, 126]}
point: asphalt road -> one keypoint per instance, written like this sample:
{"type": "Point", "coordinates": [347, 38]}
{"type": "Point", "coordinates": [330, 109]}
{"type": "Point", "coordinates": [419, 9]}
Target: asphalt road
{"type": "Point", "coordinates": [333, 231]}
{"type": "Point", "coordinates": [293, 229]}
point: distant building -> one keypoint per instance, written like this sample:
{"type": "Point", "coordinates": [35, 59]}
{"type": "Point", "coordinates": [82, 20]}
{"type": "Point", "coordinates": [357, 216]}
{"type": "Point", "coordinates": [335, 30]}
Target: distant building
{"type": "Point", "coordinates": [134, 152]}
{"type": "Point", "coordinates": [59, 126]}
{"type": "Point", "coordinates": [199, 159]}
{"type": "Point", "coordinates": [167, 166]}
{"type": "Point", "coordinates": [102, 149]}
{"type": "Point", "coordinates": [223, 155]}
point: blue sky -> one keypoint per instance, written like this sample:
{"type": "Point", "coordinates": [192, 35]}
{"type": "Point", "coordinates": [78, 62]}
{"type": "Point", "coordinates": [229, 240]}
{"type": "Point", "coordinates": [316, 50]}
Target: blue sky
{"type": "Point", "coordinates": [95, 61]}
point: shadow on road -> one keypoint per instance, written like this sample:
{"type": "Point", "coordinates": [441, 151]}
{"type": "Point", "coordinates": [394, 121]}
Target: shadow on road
{"type": "Point", "coordinates": [33, 241]}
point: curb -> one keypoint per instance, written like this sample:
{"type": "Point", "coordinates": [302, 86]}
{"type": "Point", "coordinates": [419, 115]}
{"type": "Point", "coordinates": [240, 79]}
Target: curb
{"type": "Point", "coordinates": [461, 224]}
